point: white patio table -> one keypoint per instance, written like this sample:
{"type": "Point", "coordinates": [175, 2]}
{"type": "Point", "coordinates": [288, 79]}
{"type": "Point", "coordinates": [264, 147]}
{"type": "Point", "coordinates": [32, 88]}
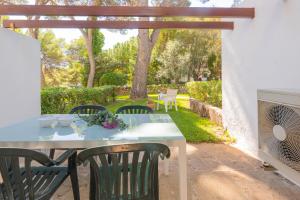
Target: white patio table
{"type": "Point", "coordinates": [153, 128]}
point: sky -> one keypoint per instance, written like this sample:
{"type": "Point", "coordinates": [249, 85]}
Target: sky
{"type": "Point", "coordinates": [112, 38]}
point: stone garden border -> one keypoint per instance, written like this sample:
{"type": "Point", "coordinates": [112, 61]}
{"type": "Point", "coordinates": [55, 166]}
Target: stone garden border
{"type": "Point", "coordinates": [208, 111]}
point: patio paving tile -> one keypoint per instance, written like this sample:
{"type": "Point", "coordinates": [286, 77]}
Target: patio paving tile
{"type": "Point", "coordinates": [215, 172]}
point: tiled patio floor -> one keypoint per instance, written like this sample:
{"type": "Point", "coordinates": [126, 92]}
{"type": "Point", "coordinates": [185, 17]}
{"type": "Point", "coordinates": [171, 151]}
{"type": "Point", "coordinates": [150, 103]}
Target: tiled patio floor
{"type": "Point", "coordinates": [215, 171]}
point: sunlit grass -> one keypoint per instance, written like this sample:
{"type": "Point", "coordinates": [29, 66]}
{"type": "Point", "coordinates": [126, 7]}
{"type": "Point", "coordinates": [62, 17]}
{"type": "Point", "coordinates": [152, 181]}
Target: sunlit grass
{"type": "Point", "coordinates": [193, 127]}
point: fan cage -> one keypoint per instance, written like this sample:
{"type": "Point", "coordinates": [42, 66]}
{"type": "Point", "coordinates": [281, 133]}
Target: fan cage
{"type": "Point", "coordinates": [288, 117]}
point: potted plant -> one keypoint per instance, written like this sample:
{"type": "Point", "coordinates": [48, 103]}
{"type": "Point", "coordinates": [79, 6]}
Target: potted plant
{"type": "Point", "coordinates": [105, 119]}
{"type": "Point", "coordinates": [151, 104]}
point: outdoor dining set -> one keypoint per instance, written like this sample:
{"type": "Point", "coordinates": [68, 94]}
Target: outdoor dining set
{"type": "Point", "coordinates": [123, 160]}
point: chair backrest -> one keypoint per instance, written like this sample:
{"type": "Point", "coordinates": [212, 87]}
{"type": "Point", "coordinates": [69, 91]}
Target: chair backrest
{"type": "Point", "coordinates": [87, 109]}
{"type": "Point", "coordinates": [15, 168]}
{"type": "Point", "coordinates": [131, 174]}
{"type": "Point", "coordinates": [172, 92]}
{"type": "Point", "coordinates": [134, 109]}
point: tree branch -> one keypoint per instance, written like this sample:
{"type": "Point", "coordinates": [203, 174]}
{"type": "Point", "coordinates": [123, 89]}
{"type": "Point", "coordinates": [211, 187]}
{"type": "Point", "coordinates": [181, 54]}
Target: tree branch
{"type": "Point", "coordinates": [83, 32]}
{"type": "Point", "coordinates": [154, 36]}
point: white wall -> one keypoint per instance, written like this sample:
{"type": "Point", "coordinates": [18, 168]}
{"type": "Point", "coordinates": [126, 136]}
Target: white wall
{"type": "Point", "coordinates": [19, 77]}
{"type": "Point", "coordinates": [259, 53]}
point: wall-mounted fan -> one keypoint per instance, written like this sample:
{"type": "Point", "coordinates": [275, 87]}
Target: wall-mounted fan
{"type": "Point", "coordinates": [279, 131]}
{"type": "Point", "coordinates": [285, 124]}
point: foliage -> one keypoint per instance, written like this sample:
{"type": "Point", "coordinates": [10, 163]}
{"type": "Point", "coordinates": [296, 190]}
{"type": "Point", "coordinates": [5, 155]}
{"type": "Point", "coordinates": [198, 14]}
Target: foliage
{"type": "Point", "coordinates": [174, 61]}
{"type": "Point", "coordinates": [178, 56]}
{"type": "Point", "coordinates": [235, 2]}
{"type": "Point", "coordinates": [113, 78]}
{"type": "Point", "coordinates": [187, 54]}
{"type": "Point", "coordinates": [62, 100]}
{"type": "Point", "coordinates": [209, 92]}
{"type": "Point", "coordinates": [52, 49]}
{"type": "Point", "coordinates": [105, 119]}
{"type": "Point", "coordinates": [76, 55]}
{"type": "Point", "coordinates": [64, 77]}
{"type": "Point", "coordinates": [120, 59]}
{"type": "Point", "coordinates": [98, 42]}
{"type": "Point", "coordinates": [153, 76]}
{"type": "Point", "coordinates": [214, 66]}
{"type": "Point", "coordinates": [76, 51]}
{"type": "Point", "coordinates": [154, 89]}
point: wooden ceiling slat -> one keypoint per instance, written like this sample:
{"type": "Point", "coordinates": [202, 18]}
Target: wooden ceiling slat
{"type": "Point", "coordinates": [125, 11]}
{"type": "Point", "coordinates": [116, 24]}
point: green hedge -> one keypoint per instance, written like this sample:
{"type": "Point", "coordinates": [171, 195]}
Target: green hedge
{"type": "Point", "coordinates": [113, 78]}
{"type": "Point", "coordinates": [154, 89]}
{"type": "Point", "coordinates": [62, 100]}
{"type": "Point", "coordinates": [209, 92]}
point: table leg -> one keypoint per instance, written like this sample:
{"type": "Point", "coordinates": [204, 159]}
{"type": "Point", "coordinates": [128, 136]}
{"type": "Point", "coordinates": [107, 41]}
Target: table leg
{"type": "Point", "coordinates": [182, 170]}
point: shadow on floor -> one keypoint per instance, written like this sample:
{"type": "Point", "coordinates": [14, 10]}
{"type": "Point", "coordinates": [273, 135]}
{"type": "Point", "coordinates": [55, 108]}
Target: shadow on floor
{"type": "Point", "coordinates": [215, 172]}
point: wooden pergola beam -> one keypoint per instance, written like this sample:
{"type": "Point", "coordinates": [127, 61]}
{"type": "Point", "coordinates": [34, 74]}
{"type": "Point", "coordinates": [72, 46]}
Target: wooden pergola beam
{"type": "Point", "coordinates": [116, 24]}
{"type": "Point", "coordinates": [125, 11]}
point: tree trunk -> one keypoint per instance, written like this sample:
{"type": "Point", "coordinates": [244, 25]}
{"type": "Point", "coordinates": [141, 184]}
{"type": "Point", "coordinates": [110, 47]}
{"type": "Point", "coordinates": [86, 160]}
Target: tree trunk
{"type": "Point", "coordinates": [139, 85]}
{"type": "Point", "coordinates": [89, 45]}
{"type": "Point", "coordinates": [146, 43]}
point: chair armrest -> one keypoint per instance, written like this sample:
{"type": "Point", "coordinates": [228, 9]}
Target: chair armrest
{"type": "Point", "coordinates": [63, 157]}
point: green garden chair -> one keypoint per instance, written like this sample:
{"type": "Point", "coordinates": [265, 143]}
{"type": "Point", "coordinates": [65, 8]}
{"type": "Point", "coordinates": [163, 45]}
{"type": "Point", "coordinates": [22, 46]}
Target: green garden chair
{"type": "Point", "coordinates": [134, 109]}
{"type": "Point", "coordinates": [31, 175]}
{"type": "Point", "coordinates": [131, 175]}
{"type": "Point", "coordinates": [87, 109]}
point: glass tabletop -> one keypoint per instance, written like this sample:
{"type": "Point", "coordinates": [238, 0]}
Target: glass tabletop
{"type": "Point", "coordinates": [141, 127]}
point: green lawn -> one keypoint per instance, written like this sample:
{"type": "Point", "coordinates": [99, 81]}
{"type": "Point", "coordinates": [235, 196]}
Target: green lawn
{"type": "Point", "coordinates": [194, 128]}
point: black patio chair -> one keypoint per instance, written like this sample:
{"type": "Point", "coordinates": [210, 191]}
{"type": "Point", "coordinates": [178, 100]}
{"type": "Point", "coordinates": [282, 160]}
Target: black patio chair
{"type": "Point", "coordinates": [132, 174]}
{"type": "Point", "coordinates": [134, 109]}
{"type": "Point", "coordinates": [83, 109]}
{"type": "Point", "coordinates": [87, 109]}
{"type": "Point", "coordinates": [31, 175]}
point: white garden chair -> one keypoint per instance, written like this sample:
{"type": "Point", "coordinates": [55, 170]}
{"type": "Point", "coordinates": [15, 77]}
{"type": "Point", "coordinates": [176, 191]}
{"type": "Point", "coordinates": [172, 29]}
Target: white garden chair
{"type": "Point", "coordinates": [169, 99]}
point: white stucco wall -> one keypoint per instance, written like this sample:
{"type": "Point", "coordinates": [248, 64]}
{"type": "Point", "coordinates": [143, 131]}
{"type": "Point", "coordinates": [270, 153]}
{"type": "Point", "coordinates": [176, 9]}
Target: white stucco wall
{"type": "Point", "coordinates": [259, 53]}
{"type": "Point", "coordinates": [19, 77]}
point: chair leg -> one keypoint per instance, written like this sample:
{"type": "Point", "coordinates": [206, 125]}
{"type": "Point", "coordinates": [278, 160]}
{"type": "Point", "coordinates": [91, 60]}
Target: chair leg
{"type": "Point", "coordinates": [166, 106]}
{"type": "Point", "coordinates": [176, 105]}
{"type": "Point", "coordinates": [74, 177]}
{"type": "Point", "coordinates": [51, 154]}
{"type": "Point", "coordinates": [75, 184]}
{"type": "Point", "coordinates": [92, 194]}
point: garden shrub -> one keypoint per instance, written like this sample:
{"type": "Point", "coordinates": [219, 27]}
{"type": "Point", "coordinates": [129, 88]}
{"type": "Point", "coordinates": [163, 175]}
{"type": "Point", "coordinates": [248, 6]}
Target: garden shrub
{"type": "Point", "coordinates": [154, 89]}
{"type": "Point", "coordinates": [113, 78]}
{"type": "Point", "coordinates": [62, 100]}
{"type": "Point", "coordinates": [209, 92]}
